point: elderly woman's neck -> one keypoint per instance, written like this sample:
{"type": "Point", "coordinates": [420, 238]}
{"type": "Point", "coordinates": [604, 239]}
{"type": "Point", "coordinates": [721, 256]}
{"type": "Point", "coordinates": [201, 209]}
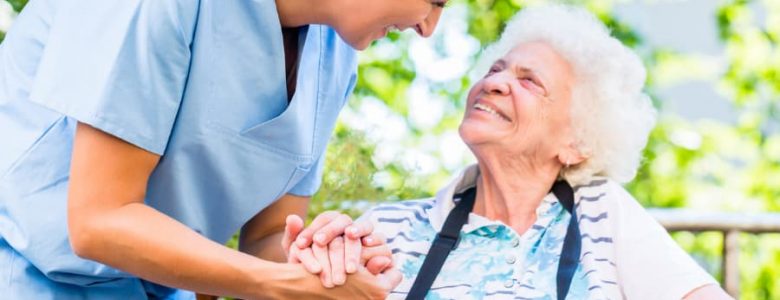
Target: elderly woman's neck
{"type": "Point", "coordinates": [512, 191]}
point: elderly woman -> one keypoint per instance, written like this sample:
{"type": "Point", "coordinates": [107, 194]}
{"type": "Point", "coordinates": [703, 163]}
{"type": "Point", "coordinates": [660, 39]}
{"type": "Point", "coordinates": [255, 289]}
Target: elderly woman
{"type": "Point", "coordinates": [557, 123]}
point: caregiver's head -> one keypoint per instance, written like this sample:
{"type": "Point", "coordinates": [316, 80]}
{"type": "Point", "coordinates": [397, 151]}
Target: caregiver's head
{"type": "Point", "coordinates": [561, 96]}
{"type": "Point", "coordinates": [360, 22]}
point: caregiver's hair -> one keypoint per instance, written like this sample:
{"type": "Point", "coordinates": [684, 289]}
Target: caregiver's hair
{"type": "Point", "coordinates": [611, 116]}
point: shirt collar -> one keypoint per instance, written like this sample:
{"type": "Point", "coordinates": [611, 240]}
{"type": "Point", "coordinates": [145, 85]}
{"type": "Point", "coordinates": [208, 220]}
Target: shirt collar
{"type": "Point", "coordinates": [444, 202]}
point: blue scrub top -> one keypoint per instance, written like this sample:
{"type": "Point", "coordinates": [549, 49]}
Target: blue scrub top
{"type": "Point", "coordinates": [201, 83]}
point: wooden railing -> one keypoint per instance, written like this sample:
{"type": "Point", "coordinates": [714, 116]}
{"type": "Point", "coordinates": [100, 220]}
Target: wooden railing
{"type": "Point", "coordinates": [730, 224]}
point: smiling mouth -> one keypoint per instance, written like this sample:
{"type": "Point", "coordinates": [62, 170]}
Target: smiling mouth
{"type": "Point", "coordinates": [490, 110]}
{"type": "Point", "coordinates": [389, 29]}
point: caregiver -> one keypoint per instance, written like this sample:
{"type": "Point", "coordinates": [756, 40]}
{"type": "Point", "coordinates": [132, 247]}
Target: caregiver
{"type": "Point", "coordinates": [139, 135]}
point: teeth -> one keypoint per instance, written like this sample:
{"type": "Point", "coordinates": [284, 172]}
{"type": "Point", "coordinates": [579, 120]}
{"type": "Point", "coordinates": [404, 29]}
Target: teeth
{"type": "Point", "coordinates": [485, 108]}
{"type": "Point", "coordinates": [392, 28]}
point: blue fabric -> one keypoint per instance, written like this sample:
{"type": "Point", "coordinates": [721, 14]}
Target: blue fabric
{"type": "Point", "coordinates": [201, 83]}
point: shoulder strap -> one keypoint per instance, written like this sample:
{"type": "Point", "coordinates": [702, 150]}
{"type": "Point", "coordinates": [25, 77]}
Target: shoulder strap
{"type": "Point", "coordinates": [572, 243]}
{"type": "Point", "coordinates": [445, 241]}
{"type": "Point", "coordinates": [448, 238]}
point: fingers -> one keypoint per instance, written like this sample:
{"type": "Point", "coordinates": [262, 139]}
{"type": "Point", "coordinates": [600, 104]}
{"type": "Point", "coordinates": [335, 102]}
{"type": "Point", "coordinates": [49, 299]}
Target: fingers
{"type": "Point", "coordinates": [321, 255]}
{"type": "Point", "coordinates": [390, 278]}
{"type": "Point", "coordinates": [352, 250]}
{"type": "Point", "coordinates": [307, 259]}
{"type": "Point", "coordinates": [352, 242]}
{"type": "Point", "coordinates": [376, 255]}
{"type": "Point", "coordinates": [379, 264]}
{"type": "Point", "coordinates": [306, 236]}
{"type": "Point", "coordinates": [336, 254]}
{"type": "Point", "coordinates": [374, 239]}
{"type": "Point", "coordinates": [334, 228]}
{"type": "Point", "coordinates": [371, 252]}
{"type": "Point", "coordinates": [374, 245]}
{"type": "Point", "coordinates": [293, 227]}
{"type": "Point", "coordinates": [359, 229]}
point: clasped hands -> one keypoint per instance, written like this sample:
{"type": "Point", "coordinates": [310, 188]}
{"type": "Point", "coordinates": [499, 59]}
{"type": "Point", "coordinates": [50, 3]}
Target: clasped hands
{"type": "Point", "coordinates": [333, 246]}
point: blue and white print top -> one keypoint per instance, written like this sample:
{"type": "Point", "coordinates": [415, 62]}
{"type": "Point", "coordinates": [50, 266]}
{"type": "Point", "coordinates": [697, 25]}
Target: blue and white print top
{"type": "Point", "coordinates": [493, 261]}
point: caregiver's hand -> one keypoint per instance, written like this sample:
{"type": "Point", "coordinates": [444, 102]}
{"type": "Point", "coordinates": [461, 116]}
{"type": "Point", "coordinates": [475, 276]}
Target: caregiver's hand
{"type": "Point", "coordinates": [298, 283]}
{"type": "Point", "coordinates": [327, 226]}
{"type": "Point", "coordinates": [343, 254]}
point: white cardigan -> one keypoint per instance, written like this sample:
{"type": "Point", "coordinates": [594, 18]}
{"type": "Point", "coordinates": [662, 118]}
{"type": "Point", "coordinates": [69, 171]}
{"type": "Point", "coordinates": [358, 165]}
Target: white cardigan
{"type": "Point", "coordinates": [625, 252]}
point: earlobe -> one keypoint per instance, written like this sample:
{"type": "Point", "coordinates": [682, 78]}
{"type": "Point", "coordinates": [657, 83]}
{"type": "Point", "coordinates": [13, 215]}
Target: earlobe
{"type": "Point", "coordinates": [571, 156]}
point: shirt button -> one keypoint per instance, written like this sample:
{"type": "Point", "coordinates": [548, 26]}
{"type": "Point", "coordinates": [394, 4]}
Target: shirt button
{"type": "Point", "coordinates": [510, 259]}
{"type": "Point", "coordinates": [509, 283]}
{"type": "Point", "coordinates": [515, 243]}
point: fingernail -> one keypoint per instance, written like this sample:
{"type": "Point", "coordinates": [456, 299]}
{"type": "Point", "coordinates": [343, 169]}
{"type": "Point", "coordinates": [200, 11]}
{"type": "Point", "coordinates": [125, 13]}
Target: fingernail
{"type": "Point", "coordinates": [301, 241]}
{"type": "Point", "coordinates": [351, 267]}
{"type": "Point", "coordinates": [353, 230]}
{"type": "Point", "coordinates": [369, 240]}
{"type": "Point", "coordinates": [338, 280]}
{"type": "Point", "coordinates": [320, 238]}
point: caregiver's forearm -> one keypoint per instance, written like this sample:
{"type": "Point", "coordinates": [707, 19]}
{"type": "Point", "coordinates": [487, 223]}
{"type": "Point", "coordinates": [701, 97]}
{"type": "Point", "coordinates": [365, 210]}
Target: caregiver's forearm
{"type": "Point", "coordinates": [142, 241]}
{"type": "Point", "coordinates": [108, 222]}
{"type": "Point", "coordinates": [261, 236]}
{"type": "Point", "coordinates": [268, 248]}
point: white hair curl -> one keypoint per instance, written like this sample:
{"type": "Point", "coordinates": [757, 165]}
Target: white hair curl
{"type": "Point", "coordinates": [611, 115]}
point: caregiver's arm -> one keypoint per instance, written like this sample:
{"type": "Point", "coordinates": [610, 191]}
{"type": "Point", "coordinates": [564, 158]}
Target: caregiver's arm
{"type": "Point", "coordinates": [109, 223]}
{"type": "Point", "coordinates": [262, 235]}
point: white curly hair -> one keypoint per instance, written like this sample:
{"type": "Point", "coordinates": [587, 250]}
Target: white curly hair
{"type": "Point", "coordinates": [611, 115]}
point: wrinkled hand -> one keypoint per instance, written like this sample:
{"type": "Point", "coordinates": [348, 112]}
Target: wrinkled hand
{"type": "Point", "coordinates": [333, 246]}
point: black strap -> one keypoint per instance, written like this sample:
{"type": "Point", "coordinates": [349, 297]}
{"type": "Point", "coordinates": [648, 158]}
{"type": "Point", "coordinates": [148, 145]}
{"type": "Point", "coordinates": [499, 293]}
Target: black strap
{"type": "Point", "coordinates": [572, 242]}
{"type": "Point", "coordinates": [445, 242]}
{"type": "Point", "coordinates": [448, 238]}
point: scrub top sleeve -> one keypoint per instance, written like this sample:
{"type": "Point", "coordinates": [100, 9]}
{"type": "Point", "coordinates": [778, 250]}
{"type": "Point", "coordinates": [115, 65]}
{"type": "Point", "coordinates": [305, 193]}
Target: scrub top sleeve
{"type": "Point", "coordinates": [311, 182]}
{"type": "Point", "coordinates": [650, 263]}
{"type": "Point", "coordinates": [119, 66]}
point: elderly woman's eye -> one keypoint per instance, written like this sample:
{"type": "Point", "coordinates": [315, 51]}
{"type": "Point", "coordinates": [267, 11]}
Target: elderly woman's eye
{"type": "Point", "coordinates": [493, 70]}
{"type": "Point", "coordinates": [440, 4]}
{"type": "Point", "coordinates": [529, 80]}
{"type": "Point", "coordinates": [532, 84]}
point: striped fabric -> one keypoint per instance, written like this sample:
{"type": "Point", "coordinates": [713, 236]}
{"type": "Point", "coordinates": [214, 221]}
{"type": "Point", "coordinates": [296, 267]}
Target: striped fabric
{"type": "Point", "coordinates": [625, 253]}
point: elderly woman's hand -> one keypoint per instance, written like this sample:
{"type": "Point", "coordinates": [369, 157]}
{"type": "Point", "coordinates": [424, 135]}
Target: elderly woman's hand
{"type": "Point", "coordinates": [332, 246]}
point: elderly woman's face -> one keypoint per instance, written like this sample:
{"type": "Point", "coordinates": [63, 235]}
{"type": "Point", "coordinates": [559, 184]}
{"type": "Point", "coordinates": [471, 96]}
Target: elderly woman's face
{"type": "Point", "coordinates": [522, 104]}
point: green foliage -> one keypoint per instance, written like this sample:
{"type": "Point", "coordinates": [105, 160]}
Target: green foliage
{"type": "Point", "coordinates": [17, 4]}
{"type": "Point", "coordinates": [350, 176]}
